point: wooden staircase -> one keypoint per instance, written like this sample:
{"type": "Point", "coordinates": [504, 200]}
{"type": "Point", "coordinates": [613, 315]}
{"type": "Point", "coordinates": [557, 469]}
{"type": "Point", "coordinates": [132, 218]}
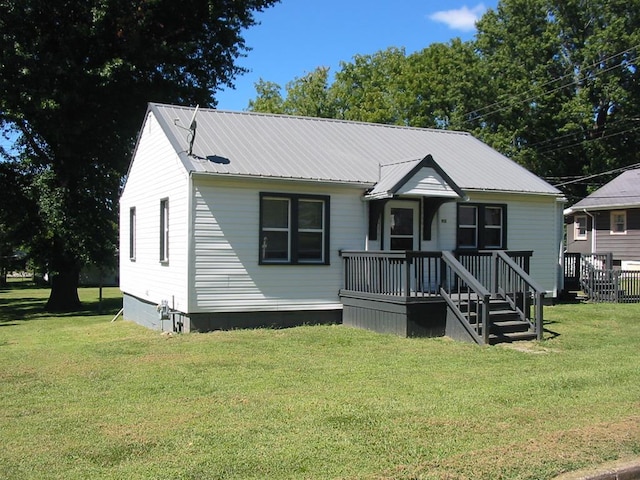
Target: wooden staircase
{"type": "Point", "coordinates": [505, 307]}
{"type": "Point", "coordinates": [505, 324]}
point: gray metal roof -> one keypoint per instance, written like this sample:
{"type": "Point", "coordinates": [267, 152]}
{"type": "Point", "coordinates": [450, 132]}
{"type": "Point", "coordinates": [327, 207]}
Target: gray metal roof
{"type": "Point", "coordinates": [282, 146]}
{"type": "Point", "coordinates": [622, 191]}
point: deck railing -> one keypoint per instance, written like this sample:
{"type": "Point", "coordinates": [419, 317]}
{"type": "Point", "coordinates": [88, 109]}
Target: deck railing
{"type": "Point", "coordinates": [595, 275]}
{"type": "Point", "coordinates": [524, 295]}
{"type": "Point", "coordinates": [467, 297]}
{"type": "Point", "coordinates": [396, 273]}
{"type": "Point", "coordinates": [610, 285]}
{"type": "Point", "coordinates": [482, 264]}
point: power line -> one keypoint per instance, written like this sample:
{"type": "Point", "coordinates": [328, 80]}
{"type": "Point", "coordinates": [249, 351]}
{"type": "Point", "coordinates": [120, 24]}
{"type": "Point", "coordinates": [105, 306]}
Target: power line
{"type": "Point", "coordinates": [515, 96]}
{"type": "Point", "coordinates": [545, 153]}
{"type": "Point", "coordinates": [588, 177]}
{"type": "Point", "coordinates": [580, 131]}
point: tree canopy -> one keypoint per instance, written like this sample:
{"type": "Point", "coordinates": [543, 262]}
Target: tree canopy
{"type": "Point", "coordinates": [75, 79]}
{"type": "Point", "coordinates": [553, 84]}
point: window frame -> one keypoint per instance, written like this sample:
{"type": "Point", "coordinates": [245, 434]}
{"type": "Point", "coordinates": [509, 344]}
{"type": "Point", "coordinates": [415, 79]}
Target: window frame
{"type": "Point", "coordinates": [132, 234]}
{"type": "Point", "coordinates": [164, 230]}
{"type": "Point", "coordinates": [472, 226]}
{"type": "Point", "coordinates": [613, 223]}
{"type": "Point", "coordinates": [576, 227]}
{"type": "Point", "coordinates": [481, 226]}
{"type": "Point", "coordinates": [293, 229]}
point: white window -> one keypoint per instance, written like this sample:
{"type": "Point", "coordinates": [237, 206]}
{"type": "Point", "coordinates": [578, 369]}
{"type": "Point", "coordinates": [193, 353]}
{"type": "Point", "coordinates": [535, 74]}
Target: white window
{"type": "Point", "coordinates": [618, 222]}
{"type": "Point", "coordinates": [580, 227]}
{"type": "Point", "coordinates": [294, 229]}
{"type": "Point", "coordinates": [132, 233]}
{"type": "Point", "coordinates": [164, 230]}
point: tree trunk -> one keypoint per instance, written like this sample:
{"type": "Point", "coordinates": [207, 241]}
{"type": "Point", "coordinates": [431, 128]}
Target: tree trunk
{"type": "Point", "coordinates": [64, 291]}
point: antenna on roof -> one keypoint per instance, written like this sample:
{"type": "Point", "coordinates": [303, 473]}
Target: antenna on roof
{"type": "Point", "coordinates": [192, 128]}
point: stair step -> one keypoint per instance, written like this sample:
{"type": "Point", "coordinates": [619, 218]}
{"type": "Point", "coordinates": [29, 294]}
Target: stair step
{"type": "Point", "coordinates": [511, 337]}
{"type": "Point", "coordinates": [510, 326]}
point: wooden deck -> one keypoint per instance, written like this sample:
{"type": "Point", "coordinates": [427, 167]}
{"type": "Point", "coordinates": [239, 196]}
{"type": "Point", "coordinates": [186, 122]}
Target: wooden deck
{"type": "Point", "coordinates": [483, 297]}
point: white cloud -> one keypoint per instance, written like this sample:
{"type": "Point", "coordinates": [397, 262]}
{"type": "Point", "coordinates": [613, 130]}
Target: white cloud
{"type": "Point", "coordinates": [460, 19]}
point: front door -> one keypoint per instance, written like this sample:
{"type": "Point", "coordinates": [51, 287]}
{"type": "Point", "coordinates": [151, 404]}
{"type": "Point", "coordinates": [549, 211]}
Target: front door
{"type": "Point", "coordinates": [402, 225]}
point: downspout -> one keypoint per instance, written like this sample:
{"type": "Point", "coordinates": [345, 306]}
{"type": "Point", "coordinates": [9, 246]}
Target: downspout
{"type": "Point", "coordinates": [593, 231]}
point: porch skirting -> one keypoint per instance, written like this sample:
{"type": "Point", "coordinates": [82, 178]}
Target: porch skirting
{"type": "Point", "coordinates": [402, 316]}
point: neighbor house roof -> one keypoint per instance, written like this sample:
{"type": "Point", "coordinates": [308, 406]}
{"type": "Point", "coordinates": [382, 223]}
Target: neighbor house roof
{"type": "Point", "coordinates": [315, 149]}
{"type": "Point", "coordinates": [622, 191]}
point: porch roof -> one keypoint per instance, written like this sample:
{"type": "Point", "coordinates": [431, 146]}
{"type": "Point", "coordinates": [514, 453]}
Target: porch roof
{"type": "Point", "coordinates": [421, 177]}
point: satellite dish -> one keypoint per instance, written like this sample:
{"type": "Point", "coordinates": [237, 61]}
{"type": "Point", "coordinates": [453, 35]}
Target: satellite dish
{"type": "Point", "coordinates": [192, 127]}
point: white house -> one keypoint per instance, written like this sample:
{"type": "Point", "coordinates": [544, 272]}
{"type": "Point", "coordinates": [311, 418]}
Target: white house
{"type": "Point", "coordinates": [233, 219]}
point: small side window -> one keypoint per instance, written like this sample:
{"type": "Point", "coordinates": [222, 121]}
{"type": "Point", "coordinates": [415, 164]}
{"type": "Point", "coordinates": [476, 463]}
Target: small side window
{"type": "Point", "coordinates": [618, 222]}
{"type": "Point", "coordinates": [164, 230]}
{"type": "Point", "coordinates": [132, 233]}
{"type": "Point", "coordinates": [580, 227]}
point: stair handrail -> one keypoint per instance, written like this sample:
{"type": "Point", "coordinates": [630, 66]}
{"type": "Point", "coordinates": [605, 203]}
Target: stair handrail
{"type": "Point", "coordinates": [477, 291]}
{"type": "Point", "coordinates": [533, 288]}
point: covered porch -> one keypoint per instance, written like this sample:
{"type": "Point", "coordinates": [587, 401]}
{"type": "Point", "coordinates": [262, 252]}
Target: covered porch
{"type": "Point", "coordinates": [485, 297]}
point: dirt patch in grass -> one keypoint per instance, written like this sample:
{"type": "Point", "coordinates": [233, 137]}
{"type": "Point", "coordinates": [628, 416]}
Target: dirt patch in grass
{"type": "Point", "coordinates": [527, 347]}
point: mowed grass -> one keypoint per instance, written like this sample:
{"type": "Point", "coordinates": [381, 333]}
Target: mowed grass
{"type": "Point", "coordinates": [83, 397]}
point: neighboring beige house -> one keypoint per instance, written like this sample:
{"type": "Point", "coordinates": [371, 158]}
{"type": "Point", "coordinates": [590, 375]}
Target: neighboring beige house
{"type": "Point", "coordinates": [608, 221]}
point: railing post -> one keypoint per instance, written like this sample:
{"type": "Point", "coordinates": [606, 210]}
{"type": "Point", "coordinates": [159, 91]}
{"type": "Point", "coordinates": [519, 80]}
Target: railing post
{"type": "Point", "coordinates": [539, 318]}
{"type": "Point", "coordinates": [407, 282]}
{"type": "Point", "coordinates": [609, 261]}
{"type": "Point", "coordinates": [443, 274]}
{"type": "Point", "coordinates": [485, 320]}
{"type": "Point", "coordinates": [494, 274]}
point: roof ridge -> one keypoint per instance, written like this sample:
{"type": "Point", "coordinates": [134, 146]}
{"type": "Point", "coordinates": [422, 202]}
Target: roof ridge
{"type": "Point", "coordinates": [317, 119]}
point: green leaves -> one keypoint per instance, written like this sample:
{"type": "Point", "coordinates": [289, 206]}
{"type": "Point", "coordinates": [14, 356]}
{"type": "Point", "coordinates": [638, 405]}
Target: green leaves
{"type": "Point", "coordinates": [75, 80]}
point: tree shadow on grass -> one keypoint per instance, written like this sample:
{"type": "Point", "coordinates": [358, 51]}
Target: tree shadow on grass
{"type": "Point", "coordinates": [25, 308]}
{"type": "Point", "coordinates": [33, 308]}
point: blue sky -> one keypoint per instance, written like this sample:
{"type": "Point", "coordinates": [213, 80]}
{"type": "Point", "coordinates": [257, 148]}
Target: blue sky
{"type": "Point", "coordinates": [296, 36]}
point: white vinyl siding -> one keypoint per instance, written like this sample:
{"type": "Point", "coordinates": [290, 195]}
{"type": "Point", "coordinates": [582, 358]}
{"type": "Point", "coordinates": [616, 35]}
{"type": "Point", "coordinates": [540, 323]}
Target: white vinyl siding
{"type": "Point", "coordinates": [228, 275]}
{"type": "Point", "coordinates": [156, 174]}
{"type": "Point", "coordinates": [533, 223]}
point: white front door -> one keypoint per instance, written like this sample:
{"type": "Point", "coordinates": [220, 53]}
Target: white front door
{"type": "Point", "coordinates": [402, 225]}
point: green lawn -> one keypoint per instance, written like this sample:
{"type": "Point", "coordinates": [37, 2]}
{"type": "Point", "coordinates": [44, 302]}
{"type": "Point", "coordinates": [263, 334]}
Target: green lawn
{"type": "Point", "coordinates": [82, 397]}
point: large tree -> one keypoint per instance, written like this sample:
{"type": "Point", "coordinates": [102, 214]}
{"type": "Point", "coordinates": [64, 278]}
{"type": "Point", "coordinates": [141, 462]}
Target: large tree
{"type": "Point", "coordinates": [75, 78]}
{"type": "Point", "coordinates": [563, 97]}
